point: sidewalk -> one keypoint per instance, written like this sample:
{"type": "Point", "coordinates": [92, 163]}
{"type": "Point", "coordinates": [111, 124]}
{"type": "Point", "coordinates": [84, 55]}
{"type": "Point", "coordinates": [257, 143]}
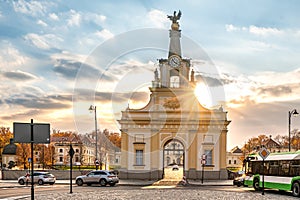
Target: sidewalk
{"type": "Point", "coordinates": [123, 182]}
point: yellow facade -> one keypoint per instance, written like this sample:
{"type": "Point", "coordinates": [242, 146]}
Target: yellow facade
{"type": "Point", "coordinates": [173, 128]}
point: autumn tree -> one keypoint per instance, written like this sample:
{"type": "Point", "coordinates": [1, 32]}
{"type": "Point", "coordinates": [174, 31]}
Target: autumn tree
{"type": "Point", "coordinates": [115, 138]}
{"type": "Point", "coordinates": [254, 143]}
{"type": "Point", "coordinates": [23, 153]}
{"type": "Point", "coordinates": [49, 155]}
{"type": "Point", "coordinates": [295, 139]}
{"type": "Point", "coordinates": [5, 136]}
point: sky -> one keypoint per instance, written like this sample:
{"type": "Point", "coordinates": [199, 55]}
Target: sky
{"type": "Point", "coordinates": [59, 57]}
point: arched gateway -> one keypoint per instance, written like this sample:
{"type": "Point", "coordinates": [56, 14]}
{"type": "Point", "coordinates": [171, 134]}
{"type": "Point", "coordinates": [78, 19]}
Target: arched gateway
{"type": "Point", "coordinates": [173, 160]}
{"type": "Point", "coordinates": [173, 128]}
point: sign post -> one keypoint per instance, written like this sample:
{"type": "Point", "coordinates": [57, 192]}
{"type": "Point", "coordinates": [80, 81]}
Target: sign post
{"type": "Point", "coordinates": [32, 141]}
{"type": "Point", "coordinates": [97, 163]}
{"type": "Point", "coordinates": [31, 133]}
{"type": "Point", "coordinates": [263, 153]}
{"type": "Point", "coordinates": [71, 153]}
{"type": "Point", "coordinates": [203, 162]}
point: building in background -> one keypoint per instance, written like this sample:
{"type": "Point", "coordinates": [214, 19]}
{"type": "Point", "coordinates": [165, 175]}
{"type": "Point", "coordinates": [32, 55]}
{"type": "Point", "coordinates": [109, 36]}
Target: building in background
{"type": "Point", "coordinates": [235, 158]}
{"type": "Point", "coordinates": [84, 148]}
{"type": "Point", "coordinates": [9, 155]}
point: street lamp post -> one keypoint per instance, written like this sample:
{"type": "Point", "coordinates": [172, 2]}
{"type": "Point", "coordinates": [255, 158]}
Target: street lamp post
{"type": "Point", "coordinates": [94, 108]}
{"type": "Point", "coordinates": [294, 113]}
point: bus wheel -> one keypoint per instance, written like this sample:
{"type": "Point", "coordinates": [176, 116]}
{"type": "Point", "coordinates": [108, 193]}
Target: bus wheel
{"type": "Point", "coordinates": [296, 189]}
{"type": "Point", "coordinates": [256, 184]}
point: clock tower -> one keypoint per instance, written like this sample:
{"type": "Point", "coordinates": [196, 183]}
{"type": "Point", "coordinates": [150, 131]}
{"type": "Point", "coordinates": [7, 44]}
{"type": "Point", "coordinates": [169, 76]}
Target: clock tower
{"type": "Point", "coordinates": [173, 128]}
{"type": "Point", "coordinates": [174, 70]}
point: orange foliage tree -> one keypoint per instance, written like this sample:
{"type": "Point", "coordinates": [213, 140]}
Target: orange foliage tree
{"type": "Point", "coordinates": [115, 138]}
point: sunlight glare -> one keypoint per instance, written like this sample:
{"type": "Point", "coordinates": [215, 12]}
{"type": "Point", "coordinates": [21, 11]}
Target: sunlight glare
{"type": "Point", "coordinates": [203, 95]}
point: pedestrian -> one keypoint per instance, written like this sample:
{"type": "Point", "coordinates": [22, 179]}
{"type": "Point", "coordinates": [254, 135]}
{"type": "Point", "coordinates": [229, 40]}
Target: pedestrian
{"type": "Point", "coordinates": [27, 179]}
{"type": "Point", "coordinates": [184, 181]}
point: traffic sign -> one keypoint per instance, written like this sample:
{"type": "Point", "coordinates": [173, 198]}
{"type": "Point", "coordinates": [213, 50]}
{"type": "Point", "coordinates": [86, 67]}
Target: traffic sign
{"type": "Point", "coordinates": [71, 151]}
{"type": "Point", "coordinates": [97, 162]}
{"type": "Point", "coordinates": [29, 160]}
{"type": "Point", "coordinates": [263, 153]}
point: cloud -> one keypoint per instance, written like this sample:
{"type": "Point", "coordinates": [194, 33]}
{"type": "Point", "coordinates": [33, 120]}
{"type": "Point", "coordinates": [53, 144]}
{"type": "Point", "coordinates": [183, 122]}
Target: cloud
{"type": "Point", "coordinates": [260, 31]}
{"type": "Point", "coordinates": [33, 101]}
{"type": "Point", "coordinates": [21, 115]}
{"type": "Point", "coordinates": [53, 16]}
{"type": "Point", "coordinates": [19, 75]}
{"type": "Point", "coordinates": [209, 81]}
{"type": "Point", "coordinates": [67, 68]}
{"type": "Point", "coordinates": [32, 8]}
{"type": "Point", "coordinates": [42, 23]}
{"type": "Point", "coordinates": [108, 97]}
{"type": "Point", "coordinates": [10, 57]}
{"type": "Point", "coordinates": [278, 90]}
{"type": "Point", "coordinates": [74, 18]}
{"type": "Point", "coordinates": [95, 18]}
{"type": "Point", "coordinates": [46, 41]}
{"type": "Point", "coordinates": [263, 87]}
{"type": "Point", "coordinates": [214, 81]}
{"type": "Point", "coordinates": [105, 34]}
{"type": "Point", "coordinates": [232, 28]}
{"type": "Point", "coordinates": [158, 18]}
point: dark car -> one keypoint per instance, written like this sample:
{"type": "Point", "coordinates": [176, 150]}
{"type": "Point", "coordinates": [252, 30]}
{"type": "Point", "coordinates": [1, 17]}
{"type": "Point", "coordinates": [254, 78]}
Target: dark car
{"type": "Point", "coordinates": [239, 181]}
{"type": "Point", "coordinates": [102, 177]}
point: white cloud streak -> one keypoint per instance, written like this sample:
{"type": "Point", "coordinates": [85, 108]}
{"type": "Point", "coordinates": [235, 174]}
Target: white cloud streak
{"type": "Point", "coordinates": [11, 58]}
{"type": "Point", "coordinates": [53, 16]}
{"type": "Point", "coordinates": [43, 41]}
{"type": "Point", "coordinates": [32, 8]}
{"type": "Point", "coordinates": [255, 30]}
{"type": "Point", "coordinates": [74, 19]}
{"type": "Point", "coordinates": [105, 34]}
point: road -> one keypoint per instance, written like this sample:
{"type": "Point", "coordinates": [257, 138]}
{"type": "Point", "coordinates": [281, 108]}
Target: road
{"type": "Point", "coordinates": [136, 192]}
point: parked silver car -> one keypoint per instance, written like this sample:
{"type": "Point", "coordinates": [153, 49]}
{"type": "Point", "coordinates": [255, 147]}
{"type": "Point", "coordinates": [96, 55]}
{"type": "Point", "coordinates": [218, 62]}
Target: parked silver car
{"type": "Point", "coordinates": [102, 177]}
{"type": "Point", "coordinates": [38, 177]}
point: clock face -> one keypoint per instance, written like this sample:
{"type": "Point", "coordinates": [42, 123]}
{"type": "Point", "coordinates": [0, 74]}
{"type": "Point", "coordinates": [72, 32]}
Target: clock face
{"type": "Point", "coordinates": [174, 61]}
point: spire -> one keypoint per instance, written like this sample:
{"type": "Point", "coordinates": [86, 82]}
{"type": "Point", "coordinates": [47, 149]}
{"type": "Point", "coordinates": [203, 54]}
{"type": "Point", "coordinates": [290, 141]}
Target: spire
{"type": "Point", "coordinates": [175, 34]}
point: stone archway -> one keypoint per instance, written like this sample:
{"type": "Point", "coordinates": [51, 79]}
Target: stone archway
{"type": "Point", "coordinates": [173, 160]}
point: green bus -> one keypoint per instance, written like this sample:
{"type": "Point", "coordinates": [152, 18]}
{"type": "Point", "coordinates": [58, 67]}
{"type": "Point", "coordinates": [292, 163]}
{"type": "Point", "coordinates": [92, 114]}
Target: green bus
{"type": "Point", "coordinates": [281, 171]}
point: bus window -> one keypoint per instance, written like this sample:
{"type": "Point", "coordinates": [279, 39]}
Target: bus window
{"type": "Point", "coordinates": [274, 167]}
{"type": "Point", "coordinates": [295, 168]}
{"type": "Point", "coordinates": [266, 167]}
{"type": "Point", "coordinates": [256, 167]}
{"type": "Point", "coordinates": [284, 168]}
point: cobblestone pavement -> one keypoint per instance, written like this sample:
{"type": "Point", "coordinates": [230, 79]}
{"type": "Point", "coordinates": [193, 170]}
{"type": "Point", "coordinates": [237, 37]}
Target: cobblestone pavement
{"type": "Point", "coordinates": [161, 194]}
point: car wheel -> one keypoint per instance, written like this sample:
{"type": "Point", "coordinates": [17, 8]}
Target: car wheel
{"type": "Point", "coordinates": [112, 184]}
{"type": "Point", "coordinates": [79, 182]}
{"type": "Point", "coordinates": [21, 182]}
{"type": "Point", "coordinates": [256, 184]}
{"type": "Point", "coordinates": [103, 182]}
{"type": "Point", "coordinates": [296, 189]}
{"type": "Point", "coordinates": [51, 183]}
{"type": "Point", "coordinates": [239, 184]}
{"type": "Point", "coordinates": [40, 182]}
